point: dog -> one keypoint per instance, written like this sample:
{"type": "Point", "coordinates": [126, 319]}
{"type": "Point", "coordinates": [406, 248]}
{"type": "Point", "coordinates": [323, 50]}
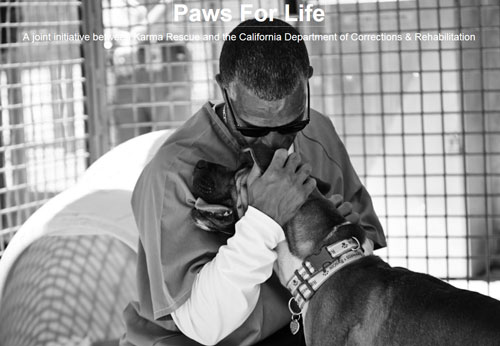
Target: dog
{"type": "Point", "coordinates": [361, 299]}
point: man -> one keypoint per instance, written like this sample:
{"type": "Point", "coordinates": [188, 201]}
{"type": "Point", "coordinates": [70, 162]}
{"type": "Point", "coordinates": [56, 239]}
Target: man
{"type": "Point", "coordinates": [193, 287]}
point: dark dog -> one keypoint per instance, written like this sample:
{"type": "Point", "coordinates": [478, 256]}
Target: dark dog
{"type": "Point", "coordinates": [366, 301]}
{"type": "Point", "coordinates": [214, 186]}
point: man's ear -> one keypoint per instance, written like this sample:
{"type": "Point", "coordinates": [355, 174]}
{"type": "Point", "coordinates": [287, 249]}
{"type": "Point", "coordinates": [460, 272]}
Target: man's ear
{"type": "Point", "coordinates": [218, 79]}
{"type": "Point", "coordinates": [220, 83]}
{"type": "Point", "coordinates": [310, 72]}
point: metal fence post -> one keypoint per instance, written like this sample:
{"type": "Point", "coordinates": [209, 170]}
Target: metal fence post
{"type": "Point", "coordinates": [95, 80]}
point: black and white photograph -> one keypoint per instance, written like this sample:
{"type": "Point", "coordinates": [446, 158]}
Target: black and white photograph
{"type": "Point", "coordinates": [249, 172]}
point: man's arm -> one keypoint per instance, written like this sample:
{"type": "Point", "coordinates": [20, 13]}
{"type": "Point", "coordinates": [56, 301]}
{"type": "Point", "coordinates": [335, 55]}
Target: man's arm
{"type": "Point", "coordinates": [355, 193]}
{"type": "Point", "coordinates": [227, 288]}
{"type": "Point", "coordinates": [322, 146]}
{"type": "Point", "coordinates": [362, 204]}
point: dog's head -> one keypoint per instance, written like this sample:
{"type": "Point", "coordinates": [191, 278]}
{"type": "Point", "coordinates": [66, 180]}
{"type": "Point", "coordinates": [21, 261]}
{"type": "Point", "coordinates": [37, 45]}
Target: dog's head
{"type": "Point", "coordinates": [306, 233]}
{"type": "Point", "coordinates": [314, 226]}
{"type": "Point", "coordinates": [214, 188]}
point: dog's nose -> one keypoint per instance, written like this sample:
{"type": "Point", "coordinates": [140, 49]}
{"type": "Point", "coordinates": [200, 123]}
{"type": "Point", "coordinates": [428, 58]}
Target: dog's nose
{"type": "Point", "coordinates": [202, 164]}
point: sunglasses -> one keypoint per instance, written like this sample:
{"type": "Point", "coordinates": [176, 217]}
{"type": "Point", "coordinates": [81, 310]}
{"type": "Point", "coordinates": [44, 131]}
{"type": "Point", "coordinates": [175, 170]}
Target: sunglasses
{"type": "Point", "coordinates": [257, 131]}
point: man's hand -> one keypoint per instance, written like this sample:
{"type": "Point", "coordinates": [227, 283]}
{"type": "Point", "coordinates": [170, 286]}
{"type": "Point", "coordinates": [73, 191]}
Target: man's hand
{"type": "Point", "coordinates": [283, 187]}
{"type": "Point", "coordinates": [345, 209]}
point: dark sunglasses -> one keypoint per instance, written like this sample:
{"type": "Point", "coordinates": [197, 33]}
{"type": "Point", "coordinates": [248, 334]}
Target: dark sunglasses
{"type": "Point", "coordinates": [257, 131]}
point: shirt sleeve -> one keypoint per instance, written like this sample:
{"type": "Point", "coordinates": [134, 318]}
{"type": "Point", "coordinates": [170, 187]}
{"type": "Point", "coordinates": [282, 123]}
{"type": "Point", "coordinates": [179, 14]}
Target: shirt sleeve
{"type": "Point", "coordinates": [227, 288]}
{"type": "Point", "coordinates": [362, 204]}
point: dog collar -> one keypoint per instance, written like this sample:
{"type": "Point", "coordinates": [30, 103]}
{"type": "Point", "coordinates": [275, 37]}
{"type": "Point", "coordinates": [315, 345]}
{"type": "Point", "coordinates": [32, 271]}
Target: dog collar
{"type": "Point", "coordinates": [330, 252]}
{"type": "Point", "coordinates": [308, 279]}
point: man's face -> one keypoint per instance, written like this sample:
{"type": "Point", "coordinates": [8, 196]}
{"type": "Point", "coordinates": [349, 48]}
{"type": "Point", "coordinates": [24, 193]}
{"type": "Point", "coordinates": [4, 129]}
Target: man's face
{"type": "Point", "coordinates": [250, 111]}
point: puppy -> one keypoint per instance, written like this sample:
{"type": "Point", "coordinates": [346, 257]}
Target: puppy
{"type": "Point", "coordinates": [363, 301]}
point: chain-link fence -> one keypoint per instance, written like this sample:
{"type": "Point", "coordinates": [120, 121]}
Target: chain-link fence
{"type": "Point", "coordinates": [421, 121]}
{"type": "Point", "coordinates": [43, 137]}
